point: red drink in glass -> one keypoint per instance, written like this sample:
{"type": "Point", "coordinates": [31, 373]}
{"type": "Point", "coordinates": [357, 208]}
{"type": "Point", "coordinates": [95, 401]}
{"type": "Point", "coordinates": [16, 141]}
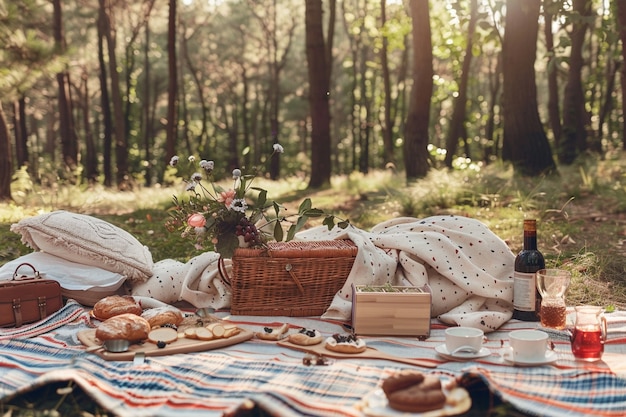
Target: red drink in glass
{"type": "Point", "coordinates": [587, 343]}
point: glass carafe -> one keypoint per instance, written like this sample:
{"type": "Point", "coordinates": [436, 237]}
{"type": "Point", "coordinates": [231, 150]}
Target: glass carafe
{"type": "Point", "coordinates": [589, 333]}
{"type": "Point", "coordinates": [552, 285]}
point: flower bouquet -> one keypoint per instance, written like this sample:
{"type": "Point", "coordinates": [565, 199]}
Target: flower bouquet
{"type": "Point", "coordinates": [240, 216]}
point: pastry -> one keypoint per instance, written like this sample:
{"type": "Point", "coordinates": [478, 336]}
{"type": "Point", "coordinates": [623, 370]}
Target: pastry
{"type": "Point", "coordinates": [306, 337]}
{"type": "Point", "coordinates": [345, 343]}
{"type": "Point", "coordinates": [159, 316]}
{"type": "Point", "coordinates": [273, 333]}
{"type": "Point", "coordinates": [115, 305]}
{"type": "Point", "coordinates": [414, 392]}
{"type": "Point", "coordinates": [125, 326]}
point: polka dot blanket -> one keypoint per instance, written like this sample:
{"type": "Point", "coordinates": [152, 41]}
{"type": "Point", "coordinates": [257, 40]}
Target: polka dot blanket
{"type": "Point", "coordinates": [468, 268]}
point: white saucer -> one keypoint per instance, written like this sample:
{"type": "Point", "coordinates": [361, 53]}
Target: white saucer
{"type": "Point", "coordinates": [551, 357]}
{"type": "Point", "coordinates": [443, 351]}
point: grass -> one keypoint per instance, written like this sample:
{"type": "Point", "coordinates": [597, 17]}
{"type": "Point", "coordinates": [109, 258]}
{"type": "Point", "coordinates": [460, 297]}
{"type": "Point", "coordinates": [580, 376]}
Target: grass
{"type": "Point", "coordinates": [581, 213]}
{"type": "Point", "coordinates": [581, 216]}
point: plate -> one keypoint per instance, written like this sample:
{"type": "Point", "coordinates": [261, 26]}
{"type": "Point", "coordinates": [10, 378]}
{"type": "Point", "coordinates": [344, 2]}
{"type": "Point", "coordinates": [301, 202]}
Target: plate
{"type": "Point", "coordinates": [457, 401]}
{"type": "Point", "coordinates": [443, 351]}
{"type": "Point", "coordinates": [551, 357]}
{"type": "Point", "coordinates": [182, 345]}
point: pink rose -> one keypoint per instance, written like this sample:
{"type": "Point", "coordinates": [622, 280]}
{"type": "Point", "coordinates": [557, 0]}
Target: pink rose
{"type": "Point", "coordinates": [227, 197]}
{"type": "Point", "coordinates": [196, 220]}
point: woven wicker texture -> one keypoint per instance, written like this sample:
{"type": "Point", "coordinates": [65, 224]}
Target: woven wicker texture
{"type": "Point", "coordinates": [293, 279]}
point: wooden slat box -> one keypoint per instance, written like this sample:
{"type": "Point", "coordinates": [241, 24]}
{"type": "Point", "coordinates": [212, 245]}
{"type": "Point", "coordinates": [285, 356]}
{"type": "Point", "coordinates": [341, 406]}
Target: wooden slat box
{"type": "Point", "coordinates": [391, 311]}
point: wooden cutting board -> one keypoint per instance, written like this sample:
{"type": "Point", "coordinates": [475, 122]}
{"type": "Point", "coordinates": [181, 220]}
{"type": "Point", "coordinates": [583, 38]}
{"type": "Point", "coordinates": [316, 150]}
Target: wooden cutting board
{"type": "Point", "coordinates": [182, 345]}
{"type": "Point", "coordinates": [370, 353]}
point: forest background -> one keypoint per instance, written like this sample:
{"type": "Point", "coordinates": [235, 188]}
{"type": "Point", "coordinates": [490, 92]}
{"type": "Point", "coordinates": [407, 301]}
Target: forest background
{"type": "Point", "coordinates": [108, 91]}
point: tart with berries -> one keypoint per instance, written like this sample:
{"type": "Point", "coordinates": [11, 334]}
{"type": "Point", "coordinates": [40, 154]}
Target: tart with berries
{"type": "Point", "coordinates": [306, 337]}
{"type": "Point", "coordinates": [345, 343]}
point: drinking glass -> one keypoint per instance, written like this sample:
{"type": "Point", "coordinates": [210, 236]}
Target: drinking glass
{"type": "Point", "coordinates": [552, 285]}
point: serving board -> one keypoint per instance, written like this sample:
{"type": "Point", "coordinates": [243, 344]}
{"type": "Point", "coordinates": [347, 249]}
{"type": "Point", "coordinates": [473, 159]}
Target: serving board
{"type": "Point", "coordinates": [182, 345]}
{"type": "Point", "coordinates": [369, 353]}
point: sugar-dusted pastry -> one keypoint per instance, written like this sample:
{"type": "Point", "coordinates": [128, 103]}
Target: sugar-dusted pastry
{"type": "Point", "coordinates": [306, 337]}
{"type": "Point", "coordinates": [160, 316]}
{"type": "Point", "coordinates": [115, 305]}
{"type": "Point", "coordinates": [345, 343]}
{"type": "Point", "coordinates": [273, 333]}
{"type": "Point", "coordinates": [127, 326]}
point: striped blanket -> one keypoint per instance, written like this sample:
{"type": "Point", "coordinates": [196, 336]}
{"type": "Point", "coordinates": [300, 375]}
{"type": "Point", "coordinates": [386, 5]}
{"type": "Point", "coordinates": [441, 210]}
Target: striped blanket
{"type": "Point", "coordinates": [218, 382]}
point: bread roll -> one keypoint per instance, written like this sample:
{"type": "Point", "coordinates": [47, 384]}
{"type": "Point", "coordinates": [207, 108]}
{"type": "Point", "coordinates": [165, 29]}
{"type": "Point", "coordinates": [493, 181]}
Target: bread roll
{"type": "Point", "coordinates": [163, 315]}
{"type": "Point", "coordinates": [115, 305]}
{"type": "Point", "coordinates": [125, 326]}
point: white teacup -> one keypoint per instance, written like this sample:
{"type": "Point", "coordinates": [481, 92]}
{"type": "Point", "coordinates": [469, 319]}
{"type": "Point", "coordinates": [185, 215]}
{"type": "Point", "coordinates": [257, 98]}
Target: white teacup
{"type": "Point", "coordinates": [528, 345]}
{"type": "Point", "coordinates": [464, 339]}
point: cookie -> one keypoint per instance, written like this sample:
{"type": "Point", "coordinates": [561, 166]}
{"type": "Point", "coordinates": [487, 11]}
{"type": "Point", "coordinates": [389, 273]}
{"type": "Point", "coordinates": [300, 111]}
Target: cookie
{"type": "Point", "coordinates": [273, 333]}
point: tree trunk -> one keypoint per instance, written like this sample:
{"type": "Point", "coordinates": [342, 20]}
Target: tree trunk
{"type": "Point", "coordinates": [172, 90]}
{"type": "Point", "coordinates": [21, 134]}
{"type": "Point", "coordinates": [525, 142]}
{"type": "Point", "coordinates": [460, 104]}
{"type": "Point", "coordinates": [6, 167]}
{"type": "Point", "coordinates": [105, 102]}
{"type": "Point", "coordinates": [121, 141]}
{"type": "Point", "coordinates": [621, 20]}
{"type": "Point", "coordinates": [69, 141]}
{"type": "Point", "coordinates": [91, 157]}
{"type": "Point", "coordinates": [146, 120]}
{"type": "Point", "coordinates": [574, 140]}
{"type": "Point", "coordinates": [554, 112]}
{"type": "Point", "coordinates": [319, 85]}
{"type": "Point", "coordinates": [418, 114]}
{"type": "Point", "coordinates": [387, 122]}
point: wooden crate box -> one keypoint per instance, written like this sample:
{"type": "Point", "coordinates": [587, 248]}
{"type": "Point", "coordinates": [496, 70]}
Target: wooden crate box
{"type": "Point", "coordinates": [391, 311]}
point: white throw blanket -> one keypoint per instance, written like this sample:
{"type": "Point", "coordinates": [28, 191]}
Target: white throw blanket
{"type": "Point", "coordinates": [468, 267]}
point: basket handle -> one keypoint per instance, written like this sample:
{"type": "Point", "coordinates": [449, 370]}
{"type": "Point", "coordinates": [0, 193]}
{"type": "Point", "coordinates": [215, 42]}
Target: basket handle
{"type": "Point", "coordinates": [221, 267]}
{"type": "Point", "coordinates": [289, 268]}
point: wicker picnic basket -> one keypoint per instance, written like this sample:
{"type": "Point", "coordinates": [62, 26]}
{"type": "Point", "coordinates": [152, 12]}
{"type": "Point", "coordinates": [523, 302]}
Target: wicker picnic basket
{"type": "Point", "coordinates": [293, 279]}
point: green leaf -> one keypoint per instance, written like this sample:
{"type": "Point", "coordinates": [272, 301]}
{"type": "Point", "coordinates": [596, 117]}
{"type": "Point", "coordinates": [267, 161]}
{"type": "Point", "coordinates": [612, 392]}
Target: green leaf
{"type": "Point", "coordinates": [305, 205]}
{"type": "Point", "coordinates": [313, 213]}
{"type": "Point", "coordinates": [262, 198]}
{"type": "Point", "coordinates": [276, 208]}
{"type": "Point", "coordinates": [343, 224]}
{"type": "Point", "coordinates": [278, 232]}
{"type": "Point", "coordinates": [301, 222]}
{"type": "Point", "coordinates": [291, 233]}
{"type": "Point", "coordinates": [329, 222]}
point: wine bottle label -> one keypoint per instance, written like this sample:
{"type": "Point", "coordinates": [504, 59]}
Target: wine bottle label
{"type": "Point", "coordinates": [524, 291]}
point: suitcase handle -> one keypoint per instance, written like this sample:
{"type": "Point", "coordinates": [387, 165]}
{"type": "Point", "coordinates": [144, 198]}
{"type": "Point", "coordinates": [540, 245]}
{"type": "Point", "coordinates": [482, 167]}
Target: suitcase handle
{"type": "Point", "coordinates": [23, 277]}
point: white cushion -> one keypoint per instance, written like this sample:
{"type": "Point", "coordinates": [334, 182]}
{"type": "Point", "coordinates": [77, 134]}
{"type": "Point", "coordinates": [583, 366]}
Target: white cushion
{"type": "Point", "coordinates": [87, 240]}
{"type": "Point", "coordinates": [84, 283]}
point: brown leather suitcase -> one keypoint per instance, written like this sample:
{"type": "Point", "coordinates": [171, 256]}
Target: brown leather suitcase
{"type": "Point", "coordinates": [28, 298]}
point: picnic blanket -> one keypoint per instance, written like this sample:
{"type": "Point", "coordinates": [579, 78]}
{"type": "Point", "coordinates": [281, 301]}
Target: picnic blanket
{"type": "Point", "coordinates": [218, 382]}
{"type": "Point", "coordinates": [467, 266]}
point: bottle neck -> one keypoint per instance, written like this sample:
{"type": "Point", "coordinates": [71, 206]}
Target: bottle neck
{"type": "Point", "coordinates": [530, 240]}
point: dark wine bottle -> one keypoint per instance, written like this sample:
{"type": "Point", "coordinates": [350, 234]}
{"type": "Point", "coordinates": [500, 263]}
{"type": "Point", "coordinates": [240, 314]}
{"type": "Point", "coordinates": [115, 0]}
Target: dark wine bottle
{"type": "Point", "coordinates": [526, 297]}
